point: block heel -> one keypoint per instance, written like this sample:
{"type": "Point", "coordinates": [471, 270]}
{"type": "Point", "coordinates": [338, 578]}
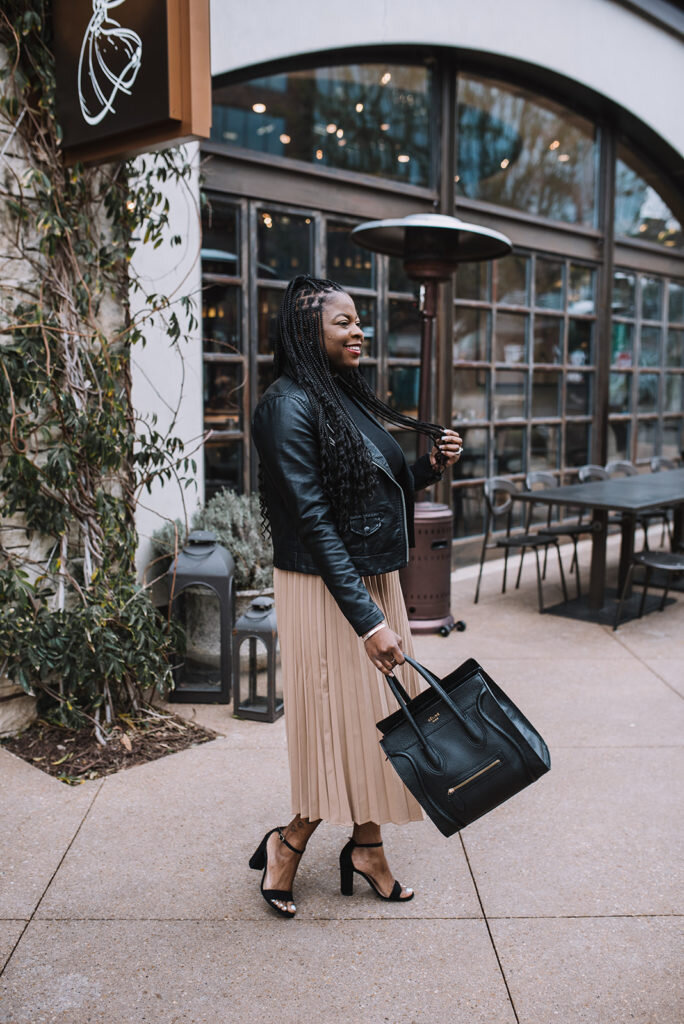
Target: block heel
{"type": "Point", "coordinates": [347, 871]}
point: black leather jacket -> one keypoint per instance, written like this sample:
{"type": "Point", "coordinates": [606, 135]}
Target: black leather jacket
{"type": "Point", "coordinates": [305, 537]}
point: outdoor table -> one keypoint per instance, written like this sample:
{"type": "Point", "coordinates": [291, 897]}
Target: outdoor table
{"type": "Point", "coordinates": [630, 495]}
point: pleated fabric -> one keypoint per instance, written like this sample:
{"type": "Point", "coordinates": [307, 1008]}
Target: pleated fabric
{"type": "Point", "coordinates": [333, 697]}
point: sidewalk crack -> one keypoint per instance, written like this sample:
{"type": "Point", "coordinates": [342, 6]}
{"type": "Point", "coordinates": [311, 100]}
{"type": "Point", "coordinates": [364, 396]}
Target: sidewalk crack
{"type": "Point", "coordinates": [52, 877]}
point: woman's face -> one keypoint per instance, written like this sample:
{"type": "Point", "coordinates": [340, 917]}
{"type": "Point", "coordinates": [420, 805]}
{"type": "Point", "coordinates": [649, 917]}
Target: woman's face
{"type": "Point", "coordinates": [342, 334]}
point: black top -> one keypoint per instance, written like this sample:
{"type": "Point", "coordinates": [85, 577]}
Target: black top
{"type": "Point", "coordinates": [380, 437]}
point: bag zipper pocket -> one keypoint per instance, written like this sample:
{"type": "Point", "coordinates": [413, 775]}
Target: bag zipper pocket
{"type": "Point", "coordinates": [475, 775]}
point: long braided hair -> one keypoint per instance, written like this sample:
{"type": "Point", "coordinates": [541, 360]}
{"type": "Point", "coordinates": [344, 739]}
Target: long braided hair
{"type": "Point", "coordinates": [348, 472]}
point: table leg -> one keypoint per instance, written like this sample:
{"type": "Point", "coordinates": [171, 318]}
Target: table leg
{"type": "Point", "coordinates": [678, 527]}
{"type": "Point", "coordinates": [626, 550]}
{"type": "Point", "coordinates": [597, 579]}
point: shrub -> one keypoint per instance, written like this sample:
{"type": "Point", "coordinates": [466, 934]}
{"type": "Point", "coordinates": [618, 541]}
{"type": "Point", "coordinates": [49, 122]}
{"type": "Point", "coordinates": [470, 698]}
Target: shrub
{"type": "Point", "coordinates": [235, 519]}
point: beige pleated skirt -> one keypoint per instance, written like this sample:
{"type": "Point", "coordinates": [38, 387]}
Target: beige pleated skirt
{"type": "Point", "coordinates": [333, 697]}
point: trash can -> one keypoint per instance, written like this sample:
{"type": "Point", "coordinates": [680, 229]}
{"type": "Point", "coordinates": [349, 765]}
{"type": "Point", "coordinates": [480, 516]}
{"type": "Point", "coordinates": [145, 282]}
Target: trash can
{"type": "Point", "coordinates": [426, 580]}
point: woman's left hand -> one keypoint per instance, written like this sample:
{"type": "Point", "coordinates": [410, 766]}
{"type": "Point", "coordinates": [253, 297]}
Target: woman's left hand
{"type": "Point", "coordinates": [450, 445]}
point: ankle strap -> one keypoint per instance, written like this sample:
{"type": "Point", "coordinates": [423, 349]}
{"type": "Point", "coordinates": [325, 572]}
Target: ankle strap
{"type": "Point", "coordinates": [366, 845]}
{"type": "Point", "coordinates": [289, 845]}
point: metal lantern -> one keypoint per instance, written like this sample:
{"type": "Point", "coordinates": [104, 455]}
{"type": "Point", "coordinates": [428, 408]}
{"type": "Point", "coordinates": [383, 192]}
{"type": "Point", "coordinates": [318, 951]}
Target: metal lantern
{"type": "Point", "coordinates": [200, 582]}
{"type": "Point", "coordinates": [255, 658]}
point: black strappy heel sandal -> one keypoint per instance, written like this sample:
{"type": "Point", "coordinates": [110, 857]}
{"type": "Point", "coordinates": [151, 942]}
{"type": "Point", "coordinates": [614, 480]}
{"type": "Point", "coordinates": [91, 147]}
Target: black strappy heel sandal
{"type": "Point", "coordinates": [259, 860]}
{"type": "Point", "coordinates": [347, 871]}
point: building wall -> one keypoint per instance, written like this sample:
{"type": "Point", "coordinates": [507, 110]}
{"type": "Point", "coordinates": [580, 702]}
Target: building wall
{"type": "Point", "coordinates": [167, 379]}
{"type": "Point", "coordinates": [598, 43]}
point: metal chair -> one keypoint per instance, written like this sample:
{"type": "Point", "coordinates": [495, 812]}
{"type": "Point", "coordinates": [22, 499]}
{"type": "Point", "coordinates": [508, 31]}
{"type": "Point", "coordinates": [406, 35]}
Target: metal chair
{"type": "Point", "coordinates": [572, 530]}
{"type": "Point", "coordinates": [659, 462]}
{"type": "Point", "coordinates": [620, 467]}
{"type": "Point", "coordinates": [664, 561]}
{"type": "Point", "coordinates": [512, 541]}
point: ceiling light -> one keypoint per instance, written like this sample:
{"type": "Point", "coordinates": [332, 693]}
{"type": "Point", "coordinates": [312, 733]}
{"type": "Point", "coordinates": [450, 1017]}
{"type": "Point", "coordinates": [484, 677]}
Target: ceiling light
{"type": "Point", "coordinates": [259, 108]}
{"type": "Point", "coordinates": [505, 162]}
{"type": "Point", "coordinates": [331, 129]}
{"type": "Point", "coordinates": [319, 154]}
{"type": "Point", "coordinates": [339, 133]}
{"type": "Point", "coordinates": [359, 108]}
{"type": "Point", "coordinates": [563, 158]}
{"type": "Point", "coordinates": [285, 139]}
{"type": "Point", "coordinates": [384, 127]}
{"type": "Point", "coordinates": [555, 144]}
{"type": "Point", "coordinates": [386, 78]}
{"type": "Point", "coordinates": [403, 158]}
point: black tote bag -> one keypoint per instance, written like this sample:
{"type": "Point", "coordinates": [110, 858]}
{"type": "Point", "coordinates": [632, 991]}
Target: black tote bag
{"type": "Point", "coordinates": [461, 747]}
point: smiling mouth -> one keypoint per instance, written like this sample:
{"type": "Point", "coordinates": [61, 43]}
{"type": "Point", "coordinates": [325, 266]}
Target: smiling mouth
{"type": "Point", "coordinates": [356, 349]}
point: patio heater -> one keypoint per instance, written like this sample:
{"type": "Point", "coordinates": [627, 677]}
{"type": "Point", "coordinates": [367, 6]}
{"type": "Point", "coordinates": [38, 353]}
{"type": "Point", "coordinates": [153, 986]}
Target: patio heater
{"type": "Point", "coordinates": [431, 245]}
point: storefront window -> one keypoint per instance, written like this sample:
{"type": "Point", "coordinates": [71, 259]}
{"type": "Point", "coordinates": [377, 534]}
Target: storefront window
{"type": "Point", "coordinates": [518, 150]}
{"type": "Point", "coordinates": [641, 209]}
{"type": "Point", "coordinates": [370, 118]}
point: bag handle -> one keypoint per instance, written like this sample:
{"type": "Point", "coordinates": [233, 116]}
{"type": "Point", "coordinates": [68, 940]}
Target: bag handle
{"type": "Point", "coordinates": [438, 688]}
{"type": "Point", "coordinates": [402, 698]}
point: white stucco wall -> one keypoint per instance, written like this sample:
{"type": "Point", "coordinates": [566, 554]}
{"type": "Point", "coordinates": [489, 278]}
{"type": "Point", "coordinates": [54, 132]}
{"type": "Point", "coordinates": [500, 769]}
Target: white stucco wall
{"type": "Point", "coordinates": [167, 379]}
{"type": "Point", "coordinates": [596, 42]}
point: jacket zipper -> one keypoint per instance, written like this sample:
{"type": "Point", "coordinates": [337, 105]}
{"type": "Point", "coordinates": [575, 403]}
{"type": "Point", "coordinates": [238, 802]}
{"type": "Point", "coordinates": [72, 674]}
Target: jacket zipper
{"type": "Point", "coordinates": [403, 505]}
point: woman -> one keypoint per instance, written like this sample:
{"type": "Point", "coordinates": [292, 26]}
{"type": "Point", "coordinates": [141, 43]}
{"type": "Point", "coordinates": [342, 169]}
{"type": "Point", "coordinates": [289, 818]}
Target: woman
{"type": "Point", "coordinates": [338, 495]}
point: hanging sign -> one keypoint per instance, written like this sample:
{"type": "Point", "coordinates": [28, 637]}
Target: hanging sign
{"type": "Point", "coordinates": [132, 75]}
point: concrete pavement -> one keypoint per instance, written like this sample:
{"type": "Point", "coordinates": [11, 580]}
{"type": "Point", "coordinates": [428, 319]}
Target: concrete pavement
{"type": "Point", "coordinates": [129, 899]}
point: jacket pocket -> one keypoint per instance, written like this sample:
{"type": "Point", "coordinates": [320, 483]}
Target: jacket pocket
{"type": "Point", "coordinates": [365, 525]}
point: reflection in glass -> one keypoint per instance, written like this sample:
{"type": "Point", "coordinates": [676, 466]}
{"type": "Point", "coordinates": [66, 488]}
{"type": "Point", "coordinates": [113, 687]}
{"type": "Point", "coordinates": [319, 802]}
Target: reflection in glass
{"type": "Point", "coordinates": [548, 339]}
{"type": "Point", "coordinates": [472, 281]}
{"type": "Point", "coordinates": [510, 274]}
{"type": "Point", "coordinates": [220, 242]}
{"type": "Point", "coordinates": [402, 391]}
{"type": "Point", "coordinates": [268, 304]}
{"type": "Point", "coordinates": [651, 298]}
{"type": "Point", "coordinates": [404, 327]}
{"type": "Point", "coordinates": [221, 319]}
{"type": "Point", "coordinates": [371, 118]}
{"type": "Point", "coordinates": [284, 244]}
{"type": "Point", "coordinates": [469, 510]}
{"type": "Point", "coordinates": [676, 302]}
{"type": "Point", "coordinates": [222, 465]}
{"type": "Point", "coordinates": [509, 450]}
{"type": "Point", "coordinates": [647, 400]}
{"type": "Point", "coordinates": [673, 441]}
{"type": "Point", "coordinates": [473, 461]}
{"type": "Point", "coordinates": [470, 394]}
{"type": "Point", "coordinates": [510, 340]}
{"type": "Point", "coordinates": [223, 396]}
{"type": "Point", "coordinates": [470, 334]}
{"type": "Point", "coordinates": [347, 262]}
{"type": "Point", "coordinates": [365, 310]}
{"type": "Point", "coordinates": [674, 349]}
{"type": "Point", "coordinates": [198, 611]}
{"type": "Point", "coordinates": [578, 394]}
{"type": "Point", "coordinates": [624, 285]}
{"type": "Point", "coordinates": [674, 390]}
{"type": "Point", "coordinates": [620, 392]}
{"type": "Point", "coordinates": [519, 150]}
{"type": "Point", "coordinates": [548, 281]}
{"type": "Point", "coordinates": [649, 346]}
{"type": "Point", "coordinates": [622, 345]}
{"type": "Point", "coordinates": [619, 433]}
{"type": "Point", "coordinates": [580, 342]}
{"type": "Point", "coordinates": [546, 394]}
{"type": "Point", "coordinates": [640, 209]}
{"type": "Point", "coordinates": [509, 394]}
{"type": "Point", "coordinates": [647, 433]}
{"type": "Point", "coordinates": [581, 291]}
{"type": "Point", "coordinates": [544, 446]}
{"type": "Point", "coordinates": [577, 440]}
{"type": "Point", "coordinates": [264, 377]}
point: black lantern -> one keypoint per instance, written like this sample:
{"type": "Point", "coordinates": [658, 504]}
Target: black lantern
{"type": "Point", "coordinates": [255, 657]}
{"type": "Point", "coordinates": [200, 584]}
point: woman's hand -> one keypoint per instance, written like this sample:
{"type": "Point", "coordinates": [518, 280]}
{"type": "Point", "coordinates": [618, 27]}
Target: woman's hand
{"type": "Point", "coordinates": [384, 650]}
{"type": "Point", "coordinates": [450, 447]}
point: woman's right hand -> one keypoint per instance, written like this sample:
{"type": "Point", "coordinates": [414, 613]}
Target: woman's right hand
{"type": "Point", "coordinates": [384, 650]}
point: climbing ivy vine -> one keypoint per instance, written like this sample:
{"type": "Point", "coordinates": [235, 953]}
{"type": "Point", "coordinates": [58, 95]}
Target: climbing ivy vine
{"type": "Point", "coordinates": [74, 623]}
